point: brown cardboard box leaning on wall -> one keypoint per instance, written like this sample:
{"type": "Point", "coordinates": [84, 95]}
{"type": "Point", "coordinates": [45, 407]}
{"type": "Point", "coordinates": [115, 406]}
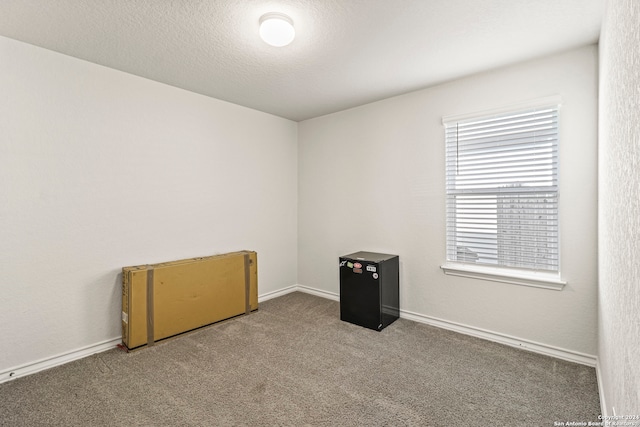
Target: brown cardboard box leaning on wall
{"type": "Point", "coordinates": [166, 299]}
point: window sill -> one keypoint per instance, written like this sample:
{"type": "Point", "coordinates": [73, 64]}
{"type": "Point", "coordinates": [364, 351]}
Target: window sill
{"type": "Point", "coordinates": [523, 278]}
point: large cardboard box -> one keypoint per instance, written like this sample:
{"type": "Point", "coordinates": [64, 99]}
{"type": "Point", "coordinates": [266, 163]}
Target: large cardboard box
{"type": "Point", "coordinates": [163, 300]}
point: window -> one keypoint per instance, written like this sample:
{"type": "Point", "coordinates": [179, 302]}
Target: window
{"type": "Point", "coordinates": [502, 190]}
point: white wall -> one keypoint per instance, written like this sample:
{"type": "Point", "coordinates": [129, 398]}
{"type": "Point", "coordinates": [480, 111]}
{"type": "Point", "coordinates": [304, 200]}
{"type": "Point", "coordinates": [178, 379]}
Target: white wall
{"type": "Point", "coordinates": [100, 169]}
{"type": "Point", "coordinates": [372, 178]}
{"type": "Point", "coordinates": [619, 209]}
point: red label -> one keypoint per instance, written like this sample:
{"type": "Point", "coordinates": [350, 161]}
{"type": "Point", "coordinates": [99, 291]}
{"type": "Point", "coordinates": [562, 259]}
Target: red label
{"type": "Point", "coordinates": [357, 265]}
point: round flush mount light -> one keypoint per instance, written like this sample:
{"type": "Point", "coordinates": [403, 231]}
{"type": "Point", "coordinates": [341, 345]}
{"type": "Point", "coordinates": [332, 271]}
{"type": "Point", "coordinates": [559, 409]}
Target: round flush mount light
{"type": "Point", "coordinates": [276, 29]}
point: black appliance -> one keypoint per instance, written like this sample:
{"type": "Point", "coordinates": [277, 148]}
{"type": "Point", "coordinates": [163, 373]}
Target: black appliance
{"type": "Point", "coordinates": [369, 289]}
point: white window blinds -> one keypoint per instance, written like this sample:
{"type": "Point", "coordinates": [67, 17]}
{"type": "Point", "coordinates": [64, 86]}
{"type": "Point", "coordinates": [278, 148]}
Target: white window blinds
{"type": "Point", "coordinates": [502, 190]}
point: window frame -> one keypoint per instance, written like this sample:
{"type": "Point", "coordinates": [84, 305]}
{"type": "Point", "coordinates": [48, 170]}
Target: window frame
{"type": "Point", "coordinates": [512, 275]}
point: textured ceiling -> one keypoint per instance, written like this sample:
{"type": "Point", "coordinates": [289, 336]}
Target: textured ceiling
{"type": "Point", "coordinates": [346, 52]}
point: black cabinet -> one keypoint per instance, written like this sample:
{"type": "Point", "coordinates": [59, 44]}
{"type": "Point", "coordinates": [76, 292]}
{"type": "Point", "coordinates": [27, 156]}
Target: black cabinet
{"type": "Point", "coordinates": [369, 289]}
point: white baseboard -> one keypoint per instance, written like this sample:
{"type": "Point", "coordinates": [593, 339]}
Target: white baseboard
{"type": "Point", "coordinates": [585, 359]}
{"type": "Point", "coordinates": [320, 293]}
{"type": "Point", "coordinates": [604, 409]}
{"type": "Point", "coordinates": [299, 288]}
{"type": "Point", "coordinates": [60, 359]}
{"type": "Point", "coordinates": [276, 294]}
{"type": "Point", "coordinates": [536, 347]}
{"type": "Point", "coordinates": [547, 350]}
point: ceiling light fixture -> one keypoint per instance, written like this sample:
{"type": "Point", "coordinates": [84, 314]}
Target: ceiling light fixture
{"type": "Point", "coordinates": [277, 29]}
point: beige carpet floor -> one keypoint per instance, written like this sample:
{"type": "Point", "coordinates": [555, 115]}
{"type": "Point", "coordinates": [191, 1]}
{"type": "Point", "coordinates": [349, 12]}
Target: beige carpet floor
{"type": "Point", "coordinates": [294, 363]}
